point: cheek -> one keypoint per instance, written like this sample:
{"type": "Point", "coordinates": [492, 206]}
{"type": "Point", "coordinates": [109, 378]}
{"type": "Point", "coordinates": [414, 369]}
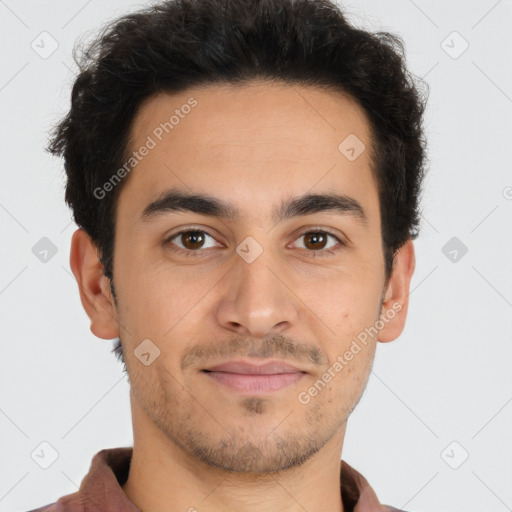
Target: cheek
{"type": "Point", "coordinates": [345, 304]}
{"type": "Point", "coordinates": [155, 299]}
{"type": "Point", "coordinates": [349, 307]}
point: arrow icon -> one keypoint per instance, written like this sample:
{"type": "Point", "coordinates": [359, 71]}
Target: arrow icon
{"type": "Point", "coordinates": [351, 147]}
{"type": "Point", "coordinates": [454, 455]}
{"type": "Point", "coordinates": [249, 249]}
{"type": "Point", "coordinates": [454, 45]}
{"type": "Point", "coordinates": [44, 44]}
{"type": "Point", "coordinates": [146, 352]}
{"type": "Point", "coordinates": [44, 455]}
{"type": "Point", "coordinates": [454, 249]}
{"type": "Point", "coordinates": [44, 250]}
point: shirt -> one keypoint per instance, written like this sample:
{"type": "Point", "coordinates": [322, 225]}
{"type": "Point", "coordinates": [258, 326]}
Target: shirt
{"type": "Point", "coordinates": [101, 489]}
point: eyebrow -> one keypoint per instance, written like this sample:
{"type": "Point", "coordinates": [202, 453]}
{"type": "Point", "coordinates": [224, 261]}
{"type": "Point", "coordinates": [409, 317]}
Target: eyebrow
{"type": "Point", "coordinates": [175, 200]}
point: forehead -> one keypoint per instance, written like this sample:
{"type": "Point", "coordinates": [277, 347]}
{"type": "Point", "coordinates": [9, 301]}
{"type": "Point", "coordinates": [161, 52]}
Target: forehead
{"type": "Point", "coordinates": [250, 144]}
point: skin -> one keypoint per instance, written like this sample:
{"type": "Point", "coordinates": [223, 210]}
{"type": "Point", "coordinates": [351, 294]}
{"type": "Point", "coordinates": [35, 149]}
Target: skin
{"type": "Point", "coordinates": [198, 443]}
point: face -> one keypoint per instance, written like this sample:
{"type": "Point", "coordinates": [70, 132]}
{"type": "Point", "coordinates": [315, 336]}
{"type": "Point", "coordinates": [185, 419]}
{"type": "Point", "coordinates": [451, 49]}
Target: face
{"type": "Point", "coordinates": [251, 271]}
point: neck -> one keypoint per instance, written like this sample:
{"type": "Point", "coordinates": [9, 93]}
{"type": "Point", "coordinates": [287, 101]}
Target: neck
{"type": "Point", "coordinates": [165, 478]}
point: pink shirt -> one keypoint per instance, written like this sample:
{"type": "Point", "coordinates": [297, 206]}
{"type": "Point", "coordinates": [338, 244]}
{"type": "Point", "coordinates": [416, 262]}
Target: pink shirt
{"type": "Point", "coordinates": [101, 489]}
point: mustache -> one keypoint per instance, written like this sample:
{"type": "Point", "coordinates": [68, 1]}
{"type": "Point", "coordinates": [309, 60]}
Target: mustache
{"type": "Point", "coordinates": [271, 346]}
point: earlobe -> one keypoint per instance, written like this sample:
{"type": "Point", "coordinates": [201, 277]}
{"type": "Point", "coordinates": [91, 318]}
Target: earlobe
{"type": "Point", "coordinates": [396, 298]}
{"type": "Point", "coordinates": [93, 286]}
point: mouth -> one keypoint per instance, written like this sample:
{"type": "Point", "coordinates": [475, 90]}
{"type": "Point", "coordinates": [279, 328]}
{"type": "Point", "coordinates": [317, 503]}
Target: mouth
{"type": "Point", "coordinates": [250, 378]}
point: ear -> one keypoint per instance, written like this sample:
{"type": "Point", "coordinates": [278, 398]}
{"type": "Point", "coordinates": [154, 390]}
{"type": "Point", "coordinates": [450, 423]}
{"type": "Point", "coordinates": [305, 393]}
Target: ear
{"type": "Point", "coordinates": [396, 298]}
{"type": "Point", "coordinates": [94, 287]}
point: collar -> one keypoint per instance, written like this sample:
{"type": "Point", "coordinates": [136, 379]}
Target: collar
{"type": "Point", "coordinates": [101, 489]}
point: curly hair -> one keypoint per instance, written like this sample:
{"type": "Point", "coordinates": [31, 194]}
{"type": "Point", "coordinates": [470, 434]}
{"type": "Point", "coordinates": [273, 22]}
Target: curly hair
{"type": "Point", "coordinates": [177, 44]}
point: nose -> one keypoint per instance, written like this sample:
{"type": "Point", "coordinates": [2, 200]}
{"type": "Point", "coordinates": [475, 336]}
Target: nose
{"type": "Point", "coordinates": [257, 300]}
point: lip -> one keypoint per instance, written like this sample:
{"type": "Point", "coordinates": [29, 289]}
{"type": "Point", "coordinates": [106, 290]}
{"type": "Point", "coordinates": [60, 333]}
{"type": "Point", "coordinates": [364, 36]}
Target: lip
{"type": "Point", "coordinates": [243, 367]}
{"type": "Point", "coordinates": [250, 378]}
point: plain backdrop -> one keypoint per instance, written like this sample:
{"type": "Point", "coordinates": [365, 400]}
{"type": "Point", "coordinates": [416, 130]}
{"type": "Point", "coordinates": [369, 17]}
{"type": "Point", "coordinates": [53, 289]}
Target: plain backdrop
{"type": "Point", "coordinates": [432, 431]}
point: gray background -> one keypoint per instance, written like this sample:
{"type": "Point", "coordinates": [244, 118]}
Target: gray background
{"type": "Point", "coordinates": [440, 393]}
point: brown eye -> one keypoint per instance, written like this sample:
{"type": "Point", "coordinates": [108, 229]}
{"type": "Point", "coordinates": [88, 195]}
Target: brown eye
{"type": "Point", "coordinates": [315, 240]}
{"type": "Point", "coordinates": [190, 241]}
{"type": "Point", "coordinates": [317, 243]}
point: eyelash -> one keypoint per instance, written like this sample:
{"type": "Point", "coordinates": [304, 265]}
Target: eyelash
{"type": "Point", "coordinates": [315, 254]}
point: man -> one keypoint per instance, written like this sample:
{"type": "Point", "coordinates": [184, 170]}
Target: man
{"type": "Point", "coordinates": [246, 177]}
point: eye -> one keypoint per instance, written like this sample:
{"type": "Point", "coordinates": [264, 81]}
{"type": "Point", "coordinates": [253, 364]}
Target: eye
{"type": "Point", "coordinates": [190, 241]}
{"type": "Point", "coordinates": [317, 242]}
